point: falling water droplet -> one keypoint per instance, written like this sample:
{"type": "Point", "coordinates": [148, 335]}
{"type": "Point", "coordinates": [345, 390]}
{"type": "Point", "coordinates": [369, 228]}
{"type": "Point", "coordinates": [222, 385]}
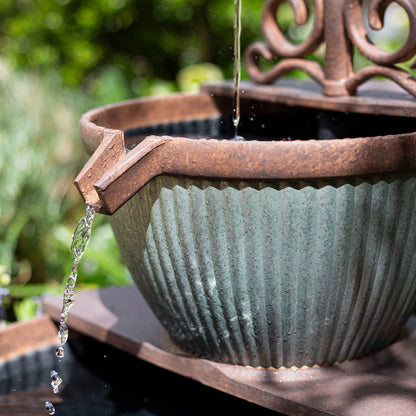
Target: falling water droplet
{"type": "Point", "coordinates": [63, 333]}
{"type": "Point", "coordinates": [56, 381]}
{"type": "Point", "coordinates": [50, 408]}
{"type": "Point", "coordinates": [60, 352]}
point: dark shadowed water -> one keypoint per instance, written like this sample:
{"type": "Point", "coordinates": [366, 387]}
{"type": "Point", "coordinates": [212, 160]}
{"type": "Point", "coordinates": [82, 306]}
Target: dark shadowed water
{"type": "Point", "coordinates": [100, 380]}
{"type": "Point", "coordinates": [298, 124]}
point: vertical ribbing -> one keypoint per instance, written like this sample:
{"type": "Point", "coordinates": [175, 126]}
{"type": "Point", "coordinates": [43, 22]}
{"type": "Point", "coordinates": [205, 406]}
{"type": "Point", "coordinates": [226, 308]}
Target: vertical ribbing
{"type": "Point", "coordinates": [220, 308]}
{"type": "Point", "coordinates": [318, 308]}
{"type": "Point", "coordinates": [385, 209]}
{"type": "Point", "coordinates": [361, 197]}
{"type": "Point", "coordinates": [236, 254]}
{"type": "Point", "coordinates": [187, 275]}
{"type": "Point", "coordinates": [337, 279]}
{"type": "Point", "coordinates": [242, 258]}
{"type": "Point", "coordinates": [275, 274]}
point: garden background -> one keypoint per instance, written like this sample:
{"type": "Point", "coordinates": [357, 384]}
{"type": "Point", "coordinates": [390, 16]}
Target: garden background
{"type": "Point", "coordinates": [59, 58]}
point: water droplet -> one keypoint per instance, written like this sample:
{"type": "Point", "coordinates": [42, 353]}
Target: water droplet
{"type": "Point", "coordinates": [49, 407]}
{"type": "Point", "coordinates": [56, 381]}
{"type": "Point", "coordinates": [72, 280]}
{"type": "Point", "coordinates": [60, 352]}
{"type": "Point", "coordinates": [63, 332]}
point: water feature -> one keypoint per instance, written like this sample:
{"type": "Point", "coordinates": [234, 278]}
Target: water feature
{"type": "Point", "coordinates": [79, 244]}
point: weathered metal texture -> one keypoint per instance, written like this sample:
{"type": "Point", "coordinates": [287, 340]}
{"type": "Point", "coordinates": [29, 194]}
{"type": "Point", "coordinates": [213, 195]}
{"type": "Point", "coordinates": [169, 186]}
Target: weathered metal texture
{"type": "Point", "coordinates": [102, 132]}
{"type": "Point", "coordinates": [14, 339]}
{"type": "Point", "coordinates": [339, 25]}
{"type": "Point", "coordinates": [111, 176]}
{"type": "Point", "coordinates": [381, 384]}
{"type": "Point", "coordinates": [375, 97]}
{"type": "Point", "coordinates": [275, 274]}
{"type": "Point", "coordinates": [272, 187]}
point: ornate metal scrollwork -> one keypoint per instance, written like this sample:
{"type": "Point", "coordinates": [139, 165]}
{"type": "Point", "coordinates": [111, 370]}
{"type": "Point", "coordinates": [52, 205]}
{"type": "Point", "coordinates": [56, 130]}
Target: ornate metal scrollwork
{"type": "Point", "coordinates": [279, 46]}
{"type": "Point", "coordinates": [339, 24]}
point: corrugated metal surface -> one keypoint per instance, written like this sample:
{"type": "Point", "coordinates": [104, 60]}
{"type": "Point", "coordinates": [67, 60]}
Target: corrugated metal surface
{"type": "Point", "coordinates": [275, 274]}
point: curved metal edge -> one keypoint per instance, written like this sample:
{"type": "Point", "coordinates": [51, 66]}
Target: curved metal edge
{"type": "Point", "coordinates": [254, 160]}
{"type": "Point", "coordinates": [110, 151]}
{"type": "Point", "coordinates": [111, 176]}
{"type": "Point", "coordinates": [137, 112]}
{"type": "Point", "coordinates": [102, 132]}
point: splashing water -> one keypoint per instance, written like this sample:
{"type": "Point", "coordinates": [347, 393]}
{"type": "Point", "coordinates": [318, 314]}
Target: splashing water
{"type": "Point", "coordinates": [237, 68]}
{"type": "Point", "coordinates": [79, 244]}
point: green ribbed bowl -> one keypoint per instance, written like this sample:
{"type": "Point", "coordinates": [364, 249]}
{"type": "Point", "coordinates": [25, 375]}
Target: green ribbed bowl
{"type": "Point", "coordinates": [275, 274]}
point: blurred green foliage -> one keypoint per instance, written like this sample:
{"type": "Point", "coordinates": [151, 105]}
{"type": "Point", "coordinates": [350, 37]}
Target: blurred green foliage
{"type": "Point", "coordinates": [62, 57]}
{"type": "Point", "coordinates": [139, 47]}
{"type": "Point", "coordinates": [37, 160]}
{"type": "Point", "coordinates": [144, 40]}
{"type": "Point", "coordinates": [40, 153]}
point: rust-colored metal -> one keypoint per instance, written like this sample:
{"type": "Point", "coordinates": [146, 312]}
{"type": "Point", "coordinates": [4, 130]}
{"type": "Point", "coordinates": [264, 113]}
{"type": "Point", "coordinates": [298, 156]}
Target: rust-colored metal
{"type": "Point", "coordinates": [382, 384]}
{"type": "Point", "coordinates": [27, 403]}
{"type": "Point", "coordinates": [111, 176]}
{"type": "Point", "coordinates": [22, 337]}
{"type": "Point", "coordinates": [339, 25]}
{"type": "Point", "coordinates": [375, 97]}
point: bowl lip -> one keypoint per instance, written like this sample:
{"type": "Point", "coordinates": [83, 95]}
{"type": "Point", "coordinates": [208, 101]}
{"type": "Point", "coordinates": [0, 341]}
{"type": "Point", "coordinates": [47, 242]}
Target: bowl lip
{"type": "Point", "coordinates": [296, 159]}
{"type": "Point", "coordinates": [112, 176]}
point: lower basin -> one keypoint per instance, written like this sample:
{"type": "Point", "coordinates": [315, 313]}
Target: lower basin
{"type": "Point", "coordinates": [100, 380]}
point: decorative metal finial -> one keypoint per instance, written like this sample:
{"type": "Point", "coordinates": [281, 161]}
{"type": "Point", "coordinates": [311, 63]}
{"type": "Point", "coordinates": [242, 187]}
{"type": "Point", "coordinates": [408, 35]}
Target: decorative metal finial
{"type": "Point", "coordinates": [338, 24]}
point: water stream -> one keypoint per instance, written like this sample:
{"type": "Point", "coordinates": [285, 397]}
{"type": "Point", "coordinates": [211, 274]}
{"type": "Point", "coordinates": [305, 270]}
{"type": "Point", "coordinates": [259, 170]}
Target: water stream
{"type": "Point", "coordinates": [237, 68]}
{"type": "Point", "coordinates": [79, 244]}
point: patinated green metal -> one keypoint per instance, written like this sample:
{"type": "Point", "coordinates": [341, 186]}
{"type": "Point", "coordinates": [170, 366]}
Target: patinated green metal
{"type": "Point", "coordinates": [275, 274]}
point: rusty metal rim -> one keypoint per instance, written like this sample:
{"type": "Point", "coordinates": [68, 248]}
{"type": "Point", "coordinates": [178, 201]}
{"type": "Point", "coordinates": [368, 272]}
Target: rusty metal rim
{"type": "Point", "coordinates": [115, 118]}
{"type": "Point", "coordinates": [111, 176]}
{"type": "Point", "coordinates": [14, 339]}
